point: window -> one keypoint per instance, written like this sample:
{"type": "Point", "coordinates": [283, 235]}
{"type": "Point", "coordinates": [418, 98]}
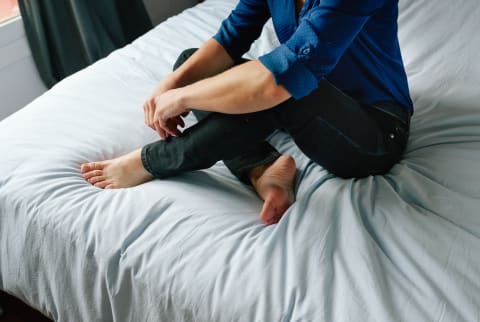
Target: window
{"type": "Point", "coordinates": [8, 9]}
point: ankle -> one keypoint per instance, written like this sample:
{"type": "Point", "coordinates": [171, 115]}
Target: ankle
{"type": "Point", "coordinates": [257, 172]}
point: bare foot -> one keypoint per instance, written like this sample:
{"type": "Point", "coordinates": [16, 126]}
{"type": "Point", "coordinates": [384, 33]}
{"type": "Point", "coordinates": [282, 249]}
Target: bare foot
{"type": "Point", "coordinates": [274, 184]}
{"type": "Point", "coordinates": [122, 172]}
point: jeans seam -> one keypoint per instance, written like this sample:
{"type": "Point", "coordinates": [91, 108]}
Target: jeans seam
{"type": "Point", "coordinates": [404, 118]}
{"type": "Point", "coordinates": [146, 164]}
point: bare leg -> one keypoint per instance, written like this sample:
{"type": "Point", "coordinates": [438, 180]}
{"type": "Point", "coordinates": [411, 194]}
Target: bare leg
{"type": "Point", "coordinates": [274, 184]}
{"type": "Point", "coordinates": [122, 172]}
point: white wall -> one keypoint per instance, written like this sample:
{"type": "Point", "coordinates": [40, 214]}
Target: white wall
{"type": "Point", "coordinates": [19, 79]}
{"type": "Point", "coordinates": [160, 10]}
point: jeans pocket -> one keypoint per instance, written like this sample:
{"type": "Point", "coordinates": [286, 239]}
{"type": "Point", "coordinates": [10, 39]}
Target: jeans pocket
{"type": "Point", "coordinates": [396, 136]}
{"type": "Point", "coordinates": [394, 130]}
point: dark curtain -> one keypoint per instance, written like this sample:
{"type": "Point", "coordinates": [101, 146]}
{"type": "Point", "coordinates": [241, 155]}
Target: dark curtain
{"type": "Point", "coordinates": [67, 35]}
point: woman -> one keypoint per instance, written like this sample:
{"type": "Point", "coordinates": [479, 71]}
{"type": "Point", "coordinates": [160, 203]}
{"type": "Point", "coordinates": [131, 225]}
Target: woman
{"type": "Point", "coordinates": [336, 84]}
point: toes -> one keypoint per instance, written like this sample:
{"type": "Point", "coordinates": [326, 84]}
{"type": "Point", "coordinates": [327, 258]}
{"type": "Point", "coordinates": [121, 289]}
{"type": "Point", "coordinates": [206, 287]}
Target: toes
{"type": "Point", "coordinates": [91, 174]}
{"type": "Point", "coordinates": [85, 167]}
{"type": "Point", "coordinates": [274, 206]}
{"type": "Point", "coordinates": [272, 220]}
{"type": "Point", "coordinates": [101, 184]}
{"type": "Point", "coordinates": [90, 166]}
{"type": "Point", "coordinates": [110, 186]}
{"type": "Point", "coordinates": [95, 180]}
{"type": "Point", "coordinates": [269, 214]}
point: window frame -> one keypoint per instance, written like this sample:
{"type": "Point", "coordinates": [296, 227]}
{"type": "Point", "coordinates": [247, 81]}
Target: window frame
{"type": "Point", "coordinates": [9, 18]}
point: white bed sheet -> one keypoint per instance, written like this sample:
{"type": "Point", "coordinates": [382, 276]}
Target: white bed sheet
{"type": "Point", "coordinates": [399, 247]}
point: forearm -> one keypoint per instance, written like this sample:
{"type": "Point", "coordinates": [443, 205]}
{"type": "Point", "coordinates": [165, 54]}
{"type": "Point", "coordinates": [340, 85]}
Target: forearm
{"type": "Point", "coordinates": [208, 60]}
{"type": "Point", "coordinates": [245, 88]}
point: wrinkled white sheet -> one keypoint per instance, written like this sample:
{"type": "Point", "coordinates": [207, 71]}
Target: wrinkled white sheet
{"type": "Point", "coordinates": [399, 247]}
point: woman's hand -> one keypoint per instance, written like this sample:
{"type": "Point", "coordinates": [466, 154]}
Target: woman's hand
{"type": "Point", "coordinates": [211, 59]}
{"type": "Point", "coordinates": [169, 126]}
{"type": "Point", "coordinates": [149, 105]}
{"type": "Point", "coordinates": [168, 113]}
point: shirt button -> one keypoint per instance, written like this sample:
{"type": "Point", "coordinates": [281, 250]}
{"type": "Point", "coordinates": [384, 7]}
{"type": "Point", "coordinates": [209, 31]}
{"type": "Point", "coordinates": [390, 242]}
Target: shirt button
{"type": "Point", "coordinates": [305, 51]}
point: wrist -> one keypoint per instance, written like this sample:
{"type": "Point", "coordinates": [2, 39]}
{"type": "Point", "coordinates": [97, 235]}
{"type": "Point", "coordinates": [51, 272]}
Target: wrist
{"type": "Point", "coordinates": [179, 99]}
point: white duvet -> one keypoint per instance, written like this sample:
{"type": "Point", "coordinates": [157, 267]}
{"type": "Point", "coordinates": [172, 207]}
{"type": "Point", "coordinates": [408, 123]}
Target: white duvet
{"type": "Point", "coordinates": [399, 247]}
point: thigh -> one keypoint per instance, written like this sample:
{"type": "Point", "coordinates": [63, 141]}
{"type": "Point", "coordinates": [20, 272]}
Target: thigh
{"type": "Point", "coordinates": [338, 133]}
{"type": "Point", "coordinates": [182, 58]}
{"type": "Point", "coordinates": [330, 106]}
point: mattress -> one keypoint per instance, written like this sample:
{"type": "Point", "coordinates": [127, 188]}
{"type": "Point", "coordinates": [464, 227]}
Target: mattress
{"type": "Point", "coordinates": [400, 247]}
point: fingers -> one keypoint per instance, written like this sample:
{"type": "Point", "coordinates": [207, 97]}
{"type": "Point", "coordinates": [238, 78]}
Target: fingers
{"type": "Point", "coordinates": [172, 128]}
{"type": "Point", "coordinates": [146, 112]}
{"type": "Point", "coordinates": [145, 108]}
{"type": "Point", "coordinates": [149, 112]}
{"type": "Point", "coordinates": [156, 125]}
{"type": "Point", "coordinates": [163, 115]}
{"type": "Point", "coordinates": [168, 128]}
{"type": "Point", "coordinates": [179, 121]}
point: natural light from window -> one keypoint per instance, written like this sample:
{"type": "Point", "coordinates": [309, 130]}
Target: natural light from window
{"type": "Point", "coordinates": [8, 9]}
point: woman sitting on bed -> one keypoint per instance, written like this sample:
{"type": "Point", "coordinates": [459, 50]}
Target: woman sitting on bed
{"type": "Point", "coordinates": [336, 84]}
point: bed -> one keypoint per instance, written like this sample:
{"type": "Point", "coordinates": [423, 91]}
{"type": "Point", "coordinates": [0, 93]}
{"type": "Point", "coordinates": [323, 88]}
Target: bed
{"type": "Point", "coordinates": [400, 247]}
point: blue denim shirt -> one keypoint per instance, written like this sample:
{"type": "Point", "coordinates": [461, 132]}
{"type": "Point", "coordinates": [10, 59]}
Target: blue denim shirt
{"type": "Point", "coordinates": [351, 43]}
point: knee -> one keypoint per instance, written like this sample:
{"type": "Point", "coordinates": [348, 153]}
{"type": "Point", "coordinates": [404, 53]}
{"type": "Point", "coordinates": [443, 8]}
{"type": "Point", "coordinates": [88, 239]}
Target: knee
{"type": "Point", "coordinates": [183, 57]}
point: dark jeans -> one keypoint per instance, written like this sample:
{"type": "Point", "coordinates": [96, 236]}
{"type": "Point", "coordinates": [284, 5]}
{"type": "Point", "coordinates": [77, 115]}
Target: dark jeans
{"type": "Point", "coordinates": [340, 134]}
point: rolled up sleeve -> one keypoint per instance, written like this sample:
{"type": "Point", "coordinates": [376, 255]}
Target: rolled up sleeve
{"type": "Point", "coordinates": [318, 43]}
{"type": "Point", "coordinates": [242, 27]}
